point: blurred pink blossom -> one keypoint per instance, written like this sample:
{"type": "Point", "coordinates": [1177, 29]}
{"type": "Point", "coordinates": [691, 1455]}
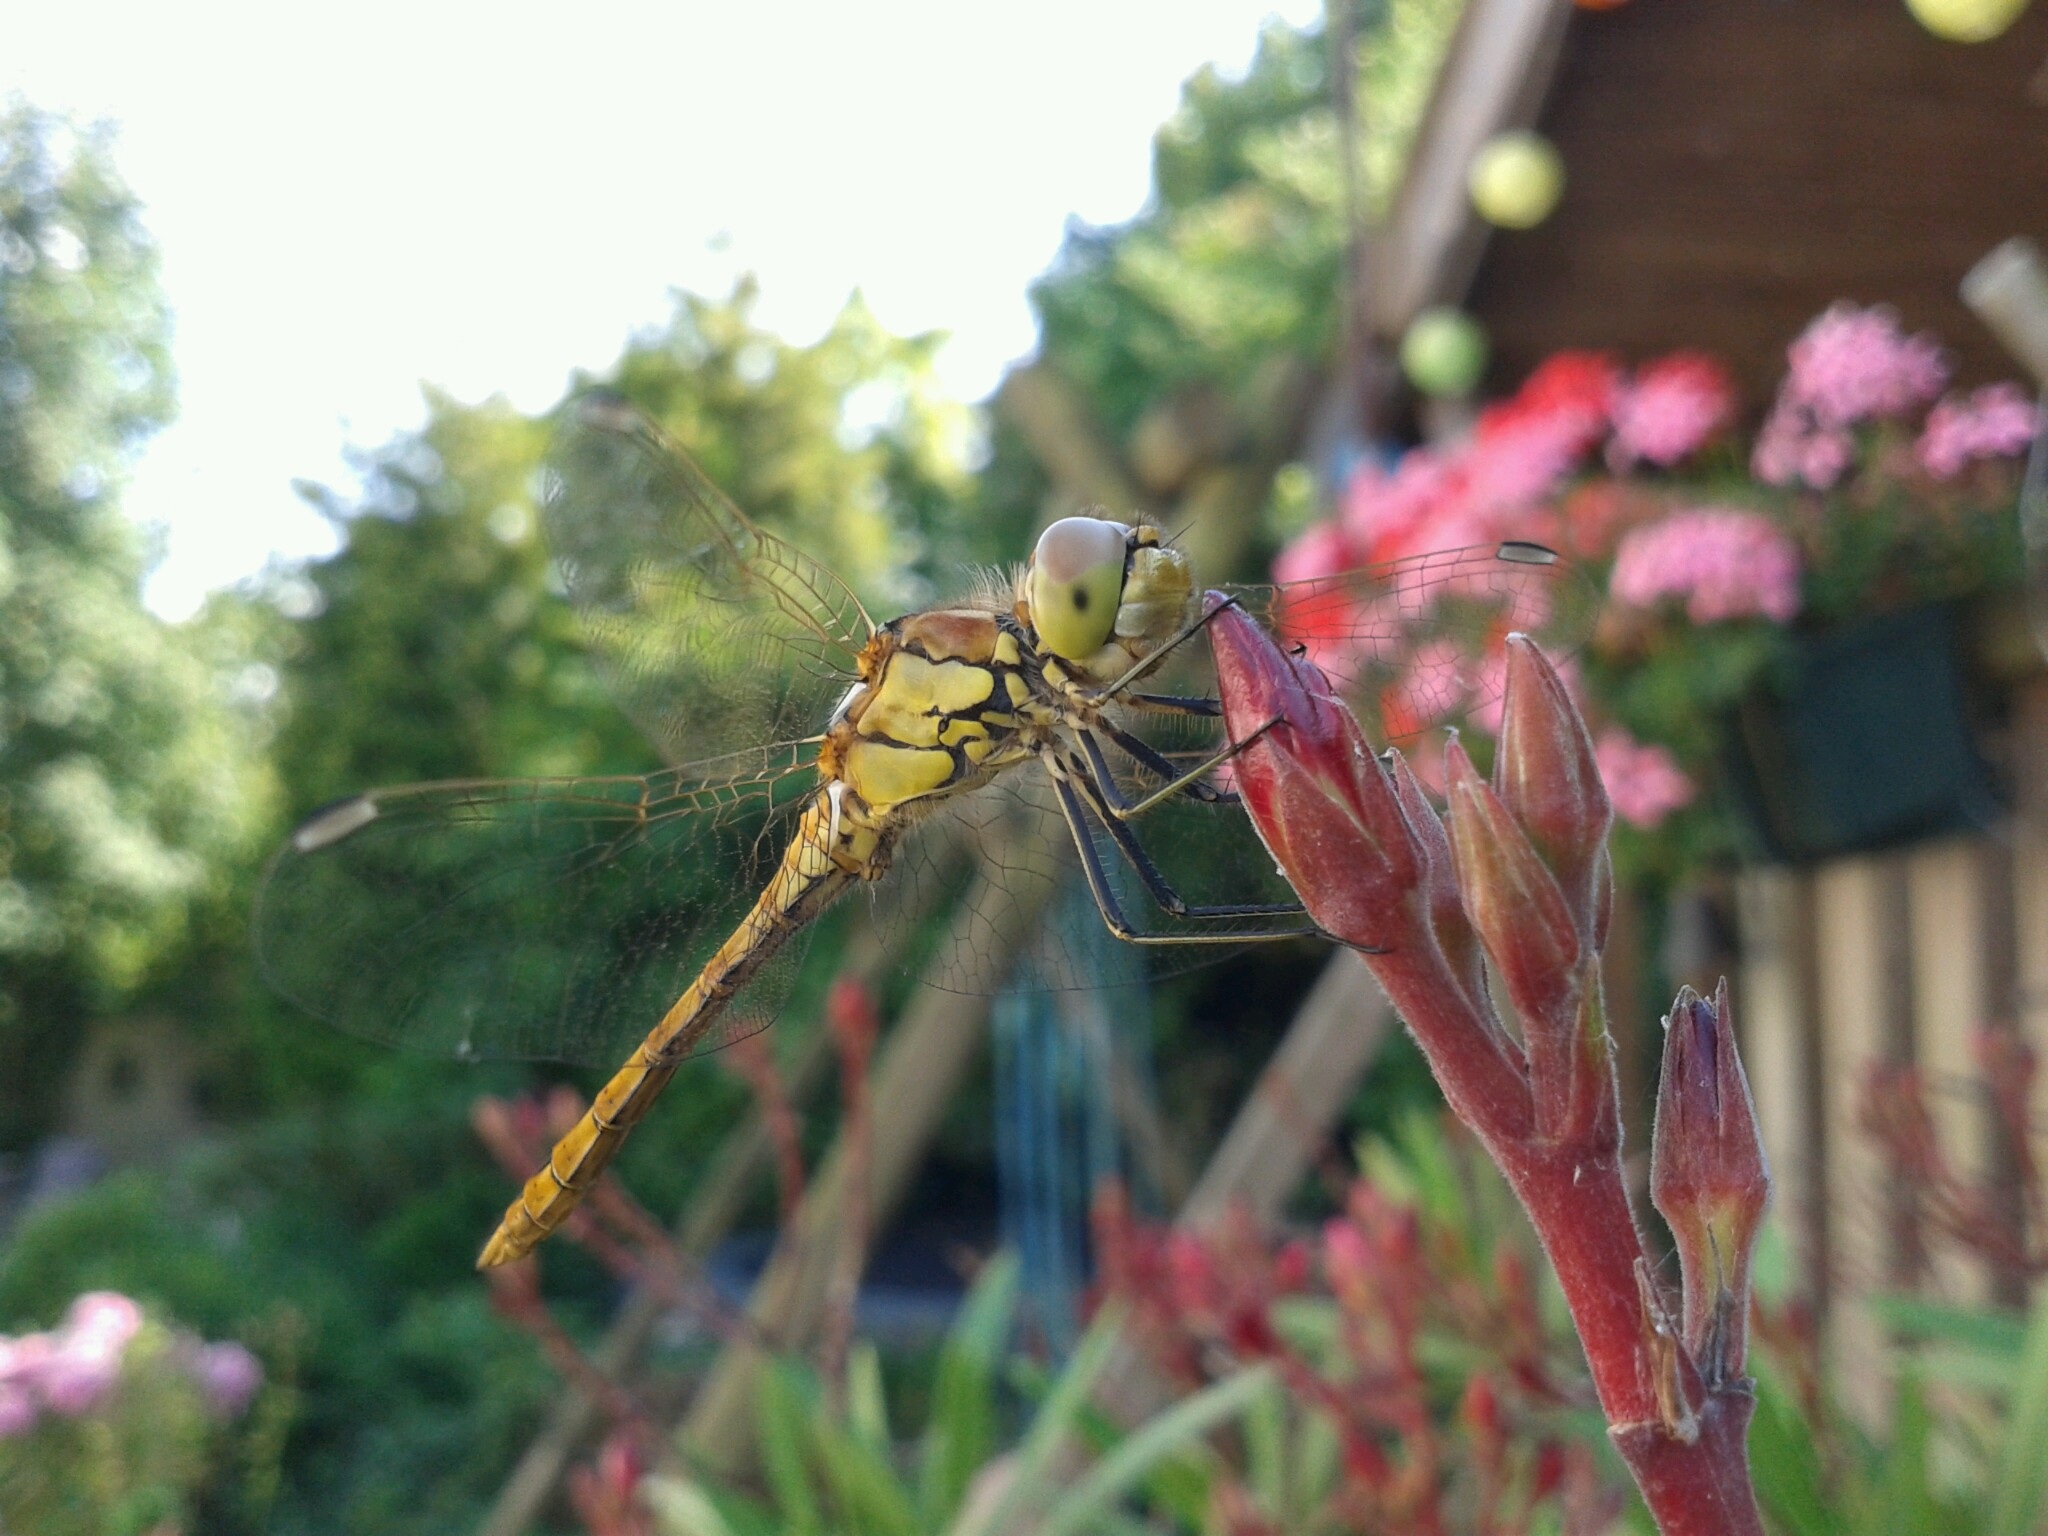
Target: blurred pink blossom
{"type": "Point", "coordinates": [18, 1410]}
{"type": "Point", "coordinates": [1521, 458]}
{"type": "Point", "coordinates": [1321, 550]}
{"type": "Point", "coordinates": [1794, 449]}
{"type": "Point", "coordinates": [1997, 421]}
{"type": "Point", "coordinates": [1670, 409]}
{"type": "Point", "coordinates": [1578, 387]}
{"type": "Point", "coordinates": [229, 1376]}
{"type": "Point", "coordinates": [1854, 364]}
{"type": "Point", "coordinates": [1387, 513]}
{"type": "Point", "coordinates": [1643, 780]}
{"type": "Point", "coordinates": [102, 1322]}
{"type": "Point", "coordinates": [23, 1362]}
{"type": "Point", "coordinates": [76, 1381]}
{"type": "Point", "coordinates": [1725, 562]}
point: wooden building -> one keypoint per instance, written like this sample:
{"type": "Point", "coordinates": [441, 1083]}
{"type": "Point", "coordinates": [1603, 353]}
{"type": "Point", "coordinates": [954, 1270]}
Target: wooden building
{"type": "Point", "coordinates": [1733, 166]}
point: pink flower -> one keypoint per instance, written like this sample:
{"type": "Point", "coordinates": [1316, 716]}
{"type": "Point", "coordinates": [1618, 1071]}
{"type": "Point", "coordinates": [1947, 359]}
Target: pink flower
{"type": "Point", "coordinates": [1854, 364]}
{"type": "Point", "coordinates": [1522, 455]}
{"type": "Point", "coordinates": [1726, 563]}
{"type": "Point", "coordinates": [102, 1322]}
{"type": "Point", "coordinates": [1671, 408]}
{"type": "Point", "coordinates": [23, 1363]}
{"type": "Point", "coordinates": [1794, 449]}
{"type": "Point", "coordinates": [1387, 515]}
{"type": "Point", "coordinates": [229, 1376]}
{"type": "Point", "coordinates": [1643, 780]}
{"type": "Point", "coordinates": [18, 1410]}
{"type": "Point", "coordinates": [77, 1380]}
{"type": "Point", "coordinates": [1997, 421]}
{"type": "Point", "coordinates": [1579, 386]}
{"type": "Point", "coordinates": [1320, 551]}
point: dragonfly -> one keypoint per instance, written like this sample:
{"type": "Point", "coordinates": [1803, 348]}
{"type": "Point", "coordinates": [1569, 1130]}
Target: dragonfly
{"type": "Point", "coordinates": [1056, 722]}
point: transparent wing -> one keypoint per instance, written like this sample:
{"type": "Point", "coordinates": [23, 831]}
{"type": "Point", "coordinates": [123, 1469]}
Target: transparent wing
{"type": "Point", "coordinates": [712, 633]}
{"type": "Point", "coordinates": [545, 919]}
{"type": "Point", "coordinates": [1419, 642]}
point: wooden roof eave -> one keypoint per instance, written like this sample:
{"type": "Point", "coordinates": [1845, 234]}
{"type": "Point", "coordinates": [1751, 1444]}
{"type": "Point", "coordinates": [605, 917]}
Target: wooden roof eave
{"type": "Point", "coordinates": [1494, 77]}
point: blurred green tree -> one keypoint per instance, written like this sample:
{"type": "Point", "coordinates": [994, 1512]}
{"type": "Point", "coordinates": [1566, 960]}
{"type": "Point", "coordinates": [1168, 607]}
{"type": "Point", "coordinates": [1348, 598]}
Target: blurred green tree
{"type": "Point", "coordinates": [1222, 295]}
{"type": "Point", "coordinates": [130, 769]}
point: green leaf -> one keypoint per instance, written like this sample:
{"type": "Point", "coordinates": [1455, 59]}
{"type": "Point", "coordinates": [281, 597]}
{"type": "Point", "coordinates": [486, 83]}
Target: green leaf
{"type": "Point", "coordinates": [2016, 1490]}
{"type": "Point", "coordinates": [867, 1411]}
{"type": "Point", "coordinates": [1905, 1502]}
{"type": "Point", "coordinates": [782, 1406]}
{"type": "Point", "coordinates": [1057, 1415]}
{"type": "Point", "coordinates": [960, 1436]}
{"type": "Point", "coordinates": [681, 1507]}
{"type": "Point", "coordinates": [1169, 1434]}
{"type": "Point", "coordinates": [864, 1487]}
{"type": "Point", "coordinates": [1785, 1464]}
{"type": "Point", "coordinates": [1975, 1329]}
{"type": "Point", "coordinates": [1265, 1445]}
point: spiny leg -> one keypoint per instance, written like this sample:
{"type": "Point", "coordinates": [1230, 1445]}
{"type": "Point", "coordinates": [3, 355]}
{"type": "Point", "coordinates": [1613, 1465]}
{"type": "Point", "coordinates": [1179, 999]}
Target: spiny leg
{"type": "Point", "coordinates": [1172, 643]}
{"type": "Point", "coordinates": [1106, 901]}
{"type": "Point", "coordinates": [1147, 757]}
{"type": "Point", "coordinates": [1155, 881]}
{"type": "Point", "coordinates": [1118, 805]}
{"type": "Point", "coordinates": [1172, 704]}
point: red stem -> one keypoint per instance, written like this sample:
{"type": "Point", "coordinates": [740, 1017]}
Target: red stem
{"type": "Point", "coordinates": [1577, 1200]}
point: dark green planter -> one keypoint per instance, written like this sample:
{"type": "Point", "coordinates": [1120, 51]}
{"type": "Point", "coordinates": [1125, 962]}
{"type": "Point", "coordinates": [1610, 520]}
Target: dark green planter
{"type": "Point", "coordinates": [1870, 741]}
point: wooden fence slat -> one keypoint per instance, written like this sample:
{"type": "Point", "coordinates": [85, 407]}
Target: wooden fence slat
{"type": "Point", "coordinates": [2030, 884]}
{"type": "Point", "coordinates": [1777, 1023]}
{"type": "Point", "coordinates": [1848, 922]}
{"type": "Point", "coordinates": [1949, 933]}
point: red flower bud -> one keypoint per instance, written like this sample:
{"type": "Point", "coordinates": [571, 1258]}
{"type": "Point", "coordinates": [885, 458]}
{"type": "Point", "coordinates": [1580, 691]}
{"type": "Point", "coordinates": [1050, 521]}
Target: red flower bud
{"type": "Point", "coordinates": [1547, 777]}
{"type": "Point", "coordinates": [1454, 935]}
{"type": "Point", "coordinates": [1708, 1178]}
{"type": "Point", "coordinates": [1510, 895]}
{"type": "Point", "coordinates": [1325, 807]}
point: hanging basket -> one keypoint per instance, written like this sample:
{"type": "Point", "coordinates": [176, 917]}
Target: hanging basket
{"type": "Point", "coordinates": [1869, 740]}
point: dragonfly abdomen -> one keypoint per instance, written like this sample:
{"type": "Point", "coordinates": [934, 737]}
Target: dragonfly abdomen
{"type": "Point", "coordinates": [836, 845]}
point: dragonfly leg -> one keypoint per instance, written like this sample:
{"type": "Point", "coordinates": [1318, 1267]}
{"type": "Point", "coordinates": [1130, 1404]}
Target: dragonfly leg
{"type": "Point", "coordinates": [1075, 781]}
{"type": "Point", "coordinates": [1172, 643]}
{"type": "Point", "coordinates": [1153, 761]}
{"type": "Point", "coordinates": [1106, 902]}
{"type": "Point", "coordinates": [1172, 704]}
{"type": "Point", "coordinates": [1121, 808]}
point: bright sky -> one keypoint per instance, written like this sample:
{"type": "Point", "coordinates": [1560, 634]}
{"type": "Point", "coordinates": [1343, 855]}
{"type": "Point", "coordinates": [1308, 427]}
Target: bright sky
{"type": "Point", "coordinates": [353, 199]}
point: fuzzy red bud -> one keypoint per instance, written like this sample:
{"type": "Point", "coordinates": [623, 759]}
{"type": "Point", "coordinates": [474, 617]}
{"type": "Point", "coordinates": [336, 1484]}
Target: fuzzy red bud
{"type": "Point", "coordinates": [1708, 1176]}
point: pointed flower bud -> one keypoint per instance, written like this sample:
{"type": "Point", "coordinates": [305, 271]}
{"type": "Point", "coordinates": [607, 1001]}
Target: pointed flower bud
{"type": "Point", "coordinates": [1512, 898]}
{"type": "Point", "coordinates": [1547, 776]}
{"type": "Point", "coordinates": [1454, 935]}
{"type": "Point", "coordinates": [1320, 799]}
{"type": "Point", "coordinates": [1708, 1178]}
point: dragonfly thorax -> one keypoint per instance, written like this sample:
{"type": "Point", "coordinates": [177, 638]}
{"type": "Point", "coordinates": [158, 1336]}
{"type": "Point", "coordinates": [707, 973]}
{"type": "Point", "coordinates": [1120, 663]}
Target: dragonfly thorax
{"type": "Point", "coordinates": [948, 697]}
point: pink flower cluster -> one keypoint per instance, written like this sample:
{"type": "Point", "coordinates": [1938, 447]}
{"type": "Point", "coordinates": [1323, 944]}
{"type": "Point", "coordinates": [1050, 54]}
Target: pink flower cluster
{"type": "Point", "coordinates": [73, 1370]}
{"type": "Point", "coordinates": [1725, 562]}
{"type": "Point", "coordinates": [1669, 410]}
{"type": "Point", "coordinates": [1499, 482]}
{"type": "Point", "coordinates": [1850, 365]}
{"type": "Point", "coordinates": [1997, 421]}
{"type": "Point", "coordinates": [1643, 780]}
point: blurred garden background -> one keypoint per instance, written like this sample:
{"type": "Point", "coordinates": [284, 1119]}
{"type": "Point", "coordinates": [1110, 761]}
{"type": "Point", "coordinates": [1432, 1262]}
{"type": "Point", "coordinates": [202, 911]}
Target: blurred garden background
{"type": "Point", "coordinates": [1677, 291]}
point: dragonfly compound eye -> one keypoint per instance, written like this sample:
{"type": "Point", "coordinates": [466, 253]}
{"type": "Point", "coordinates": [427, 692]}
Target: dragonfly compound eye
{"type": "Point", "coordinates": [1077, 580]}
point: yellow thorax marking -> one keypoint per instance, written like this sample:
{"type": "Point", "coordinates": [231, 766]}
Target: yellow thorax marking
{"type": "Point", "coordinates": [915, 697]}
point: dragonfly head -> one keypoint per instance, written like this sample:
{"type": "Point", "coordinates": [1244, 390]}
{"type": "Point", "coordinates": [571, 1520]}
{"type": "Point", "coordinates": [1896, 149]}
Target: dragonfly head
{"type": "Point", "coordinates": [1103, 595]}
